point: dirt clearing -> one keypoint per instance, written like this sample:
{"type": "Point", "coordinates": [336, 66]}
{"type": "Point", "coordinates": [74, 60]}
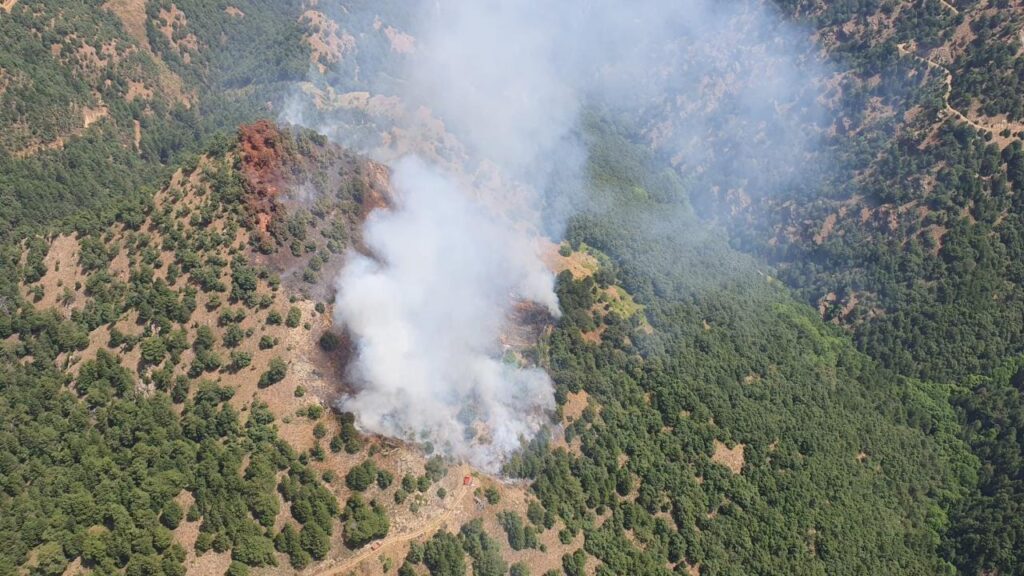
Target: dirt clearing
{"type": "Point", "coordinates": [730, 458]}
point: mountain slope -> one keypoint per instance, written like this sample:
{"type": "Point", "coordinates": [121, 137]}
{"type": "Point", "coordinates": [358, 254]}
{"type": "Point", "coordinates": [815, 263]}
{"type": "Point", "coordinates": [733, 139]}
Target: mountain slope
{"type": "Point", "coordinates": [169, 362]}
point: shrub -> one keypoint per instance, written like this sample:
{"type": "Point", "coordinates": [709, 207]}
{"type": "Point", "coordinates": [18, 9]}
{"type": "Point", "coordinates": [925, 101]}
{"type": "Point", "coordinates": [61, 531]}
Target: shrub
{"type": "Point", "coordinates": [363, 524]}
{"type": "Point", "coordinates": [360, 477]}
{"type": "Point", "coordinates": [240, 359]}
{"type": "Point", "coordinates": [275, 372]}
{"type": "Point", "coordinates": [294, 317]}
{"type": "Point", "coordinates": [330, 341]}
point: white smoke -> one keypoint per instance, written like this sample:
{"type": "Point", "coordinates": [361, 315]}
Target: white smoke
{"type": "Point", "coordinates": [426, 312]}
{"type": "Point", "coordinates": [508, 79]}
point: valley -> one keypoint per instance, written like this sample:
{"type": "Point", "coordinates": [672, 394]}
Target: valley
{"type": "Point", "coordinates": [344, 287]}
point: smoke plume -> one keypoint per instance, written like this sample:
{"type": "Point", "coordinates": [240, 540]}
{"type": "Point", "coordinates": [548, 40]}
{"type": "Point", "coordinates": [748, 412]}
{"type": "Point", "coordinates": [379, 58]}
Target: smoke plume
{"type": "Point", "coordinates": [509, 80]}
{"type": "Point", "coordinates": [426, 311]}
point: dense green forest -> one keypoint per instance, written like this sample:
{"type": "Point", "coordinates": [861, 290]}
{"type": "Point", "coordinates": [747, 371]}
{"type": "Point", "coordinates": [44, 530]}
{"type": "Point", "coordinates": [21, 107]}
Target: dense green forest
{"type": "Point", "coordinates": [733, 359]}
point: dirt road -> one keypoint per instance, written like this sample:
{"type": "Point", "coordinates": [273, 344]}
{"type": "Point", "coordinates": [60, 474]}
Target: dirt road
{"type": "Point", "coordinates": [994, 130]}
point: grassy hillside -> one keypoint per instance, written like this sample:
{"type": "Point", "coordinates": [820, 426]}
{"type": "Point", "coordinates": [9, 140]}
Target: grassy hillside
{"type": "Point", "coordinates": [693, 404]}
{"type": "Point", "coordinates": [165, 381]}
{"type": "Point", "coordinates": [96, 101]}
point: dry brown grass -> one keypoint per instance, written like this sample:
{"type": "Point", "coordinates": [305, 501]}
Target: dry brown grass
{"type": "Point", "coordinates": [187, 532]}
{"type": "Point", "coordinates": [401, 42]}
{"type": "Point", "coordinates": [826, 229]}
{"type": "Point", "coordinates": [62, 275]}
{"type": "Point", "coordinates": [74, 568]}
{"type": "Point", "coordinates": [594, 336]}
{"type": "Point", "coordinates": [89, 117]}
{"type": "Point", "coordinates": [731, 458]}
{"type": "Point", "coordinates": [406, 527]}
{"type": "Point", "coordinates": [172, 19]}
{"type": "Point", "coordinates": [132, 14]}
{"type": "Point", "coordinates": [575, 404]}
{"type": "Point", "coordinates": [516, 497]}
{"type": "Point", "coordinates": [328, 43]}
{"type": "Point", "coordinates": [580, 264]}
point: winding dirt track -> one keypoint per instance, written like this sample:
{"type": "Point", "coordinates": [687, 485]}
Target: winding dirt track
{"type": "Point", "coordinates": [428, 528]}
{"type": "Point", "coordinates": [949, 86]}
{"type": "Point", "coordinates": [994, 130]}
{"type": "Point", "coordinates": [949, 6]}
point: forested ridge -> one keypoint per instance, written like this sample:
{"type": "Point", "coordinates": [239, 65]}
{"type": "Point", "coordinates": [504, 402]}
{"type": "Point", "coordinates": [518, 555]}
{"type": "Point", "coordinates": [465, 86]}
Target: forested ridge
{"type": "Point", "coordinates": [826, 379]}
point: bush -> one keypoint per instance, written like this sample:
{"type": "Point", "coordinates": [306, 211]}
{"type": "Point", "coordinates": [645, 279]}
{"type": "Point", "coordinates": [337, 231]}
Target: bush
{"type": "Point", "coordinates": [275, 372]}
{"type": "Point", "coordinates": [363, 524]}
{"type": "Point", "coordinates": [443, 555]}
{"type": "Point", "coordinates": [519, 536]}
{"type": "Point", "coordinates": [153, 350]}
{"type": "Point", "coordinates": [492, 495]}
{"type": "Point", "coordinates": [253, 549]}
{"type": "Point", "coordinates": [294, 317]}
{"type": "Point", "coordinates": [360, 477]}
{"type": "Point", "coordinates": [330, 341]}
{"type": "Point", "coordinates": [233, 336]}
{"type": "Point", "coordinates": [240, 359]}
{"type": "Point", "coordinates": [171, 514]}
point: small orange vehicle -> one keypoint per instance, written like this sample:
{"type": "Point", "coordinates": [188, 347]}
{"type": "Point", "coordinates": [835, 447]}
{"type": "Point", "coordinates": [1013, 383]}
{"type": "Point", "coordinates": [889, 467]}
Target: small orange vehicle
{"type": "Point", "coordinates": [467, 480]}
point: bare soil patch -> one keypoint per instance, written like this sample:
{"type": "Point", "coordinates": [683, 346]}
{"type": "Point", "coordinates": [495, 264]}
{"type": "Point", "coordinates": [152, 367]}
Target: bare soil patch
{"type": "Point", "coordinates": [328, 42]}
{"type": "Point", "coordinates": [172, 20]}
{"type": "Point", "coordinates": [401, 42]}
{"type": "Point", "coordinates": [575, 404]}
{"type": "Point", "coordinates": [62, 275]}
{"type": "Point", "coordinates": [580, 264]}
{"type": "Point", "coordinates": [132, 14]}
{"type": "Point", "coordinates": [731, 458]}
